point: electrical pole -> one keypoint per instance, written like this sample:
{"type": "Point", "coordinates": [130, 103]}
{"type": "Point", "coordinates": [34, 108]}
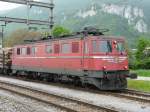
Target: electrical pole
{"type": "Point", "coordinates": [31, 3]}
{"type": "Point", "coordinates": [51, 15]}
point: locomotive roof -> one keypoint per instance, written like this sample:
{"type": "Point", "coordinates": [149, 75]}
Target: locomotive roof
{"type": "Point", "coordinates": [53, 39]}
{"type": "Point", "coordinates": [69, 37]}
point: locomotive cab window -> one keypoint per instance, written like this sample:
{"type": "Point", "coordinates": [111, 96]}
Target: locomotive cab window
{"type": "Point", "coordinates": [18, 51]}
{"type": "Point", "coordinates": [102, 46]}
{"type": "Point", "coordinates": [65, 48]}
{"type": "Point", "coordinates": [75, 47]}
{"type": "Point", "coordinates": [49, 49]}
{"type": "Point", "coordinates": [105, 46]}
{"type": "Point", "coordinates": [120, 47]}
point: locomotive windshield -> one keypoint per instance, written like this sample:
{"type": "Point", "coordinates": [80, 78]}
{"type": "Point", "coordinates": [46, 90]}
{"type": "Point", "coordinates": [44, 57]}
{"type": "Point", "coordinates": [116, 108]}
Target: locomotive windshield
{"type": "Point", "coordinates": [120, 47]}
{"type": "Point", "coordinates": [105, 46]}
{"type": "Point", "coordinates": [102, 46]}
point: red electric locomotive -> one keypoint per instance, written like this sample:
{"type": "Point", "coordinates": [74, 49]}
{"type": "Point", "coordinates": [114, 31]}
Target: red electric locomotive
{"type": "Point", "coordinates": [87, 58]}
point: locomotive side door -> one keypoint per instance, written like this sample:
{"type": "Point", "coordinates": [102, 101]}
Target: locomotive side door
{"type": "Point", "coordinates": [85, 54]}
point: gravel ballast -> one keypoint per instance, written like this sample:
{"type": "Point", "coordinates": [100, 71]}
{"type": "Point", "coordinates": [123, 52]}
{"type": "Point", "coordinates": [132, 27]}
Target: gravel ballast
{"type": "Point", "coordinates": [10, 102]}
{"type": "Point", "coordinates": [121, 104]}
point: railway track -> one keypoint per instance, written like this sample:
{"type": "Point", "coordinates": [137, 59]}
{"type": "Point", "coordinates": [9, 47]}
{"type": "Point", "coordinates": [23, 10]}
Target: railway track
{"type": "Point", "coordinates": [62, 102]}
{"type": "Point", "coordinates": [128, 94]}
{"type": "Point", "coordinates": [139, 93]}
{"type": "Point", "coordinates": [133, 95]}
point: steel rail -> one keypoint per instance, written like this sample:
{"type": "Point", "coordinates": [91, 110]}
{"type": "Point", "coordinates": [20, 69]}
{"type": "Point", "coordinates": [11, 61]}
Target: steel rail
{"type": "Point", "coordinates": [139, 93]}
{"type": "Point", "coordinates": [31, 3]}
{"type": "Point", "coordinates": [38, 94]}
{"type": "Point", "coordinates": [131, 97]}
{"type": "Point", "coordinates": [121, 94]}
{"type": "Point", "coordinates": [40, 100]}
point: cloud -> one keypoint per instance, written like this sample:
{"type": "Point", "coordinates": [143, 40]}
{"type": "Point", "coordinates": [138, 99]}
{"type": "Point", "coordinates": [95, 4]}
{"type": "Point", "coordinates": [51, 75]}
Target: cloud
{"type": "Point", "coordinates": [7, 6]}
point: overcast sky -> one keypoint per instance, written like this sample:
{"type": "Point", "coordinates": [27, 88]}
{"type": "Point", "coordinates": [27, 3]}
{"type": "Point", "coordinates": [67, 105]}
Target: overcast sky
{"type": "Point", "coordinates": [8, 6]}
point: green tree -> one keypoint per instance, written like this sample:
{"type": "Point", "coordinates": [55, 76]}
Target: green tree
{"type": "Point", "coordinates": [142, 62]}
{"type": "Point", "coordinates": [18, 37]}
{"type": "Point", "coordinates": [58, 31]}
{"type": "Point", "coordinates": [142, 44]}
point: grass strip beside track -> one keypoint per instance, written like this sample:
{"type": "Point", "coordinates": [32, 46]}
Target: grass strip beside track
{"type": "Point", "coordinates": [139, 85]}
{"type": "Point", "coordinates": [142, 72]}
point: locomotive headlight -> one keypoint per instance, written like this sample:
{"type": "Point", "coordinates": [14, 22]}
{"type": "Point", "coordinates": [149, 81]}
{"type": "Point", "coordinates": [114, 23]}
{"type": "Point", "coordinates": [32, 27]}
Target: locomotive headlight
{"type": "Point", "coordinates": [125, 67]}
{"type": "Point", "coordinates": [115, 42]}
{"type": "Point", "coordinates": [104, 67]}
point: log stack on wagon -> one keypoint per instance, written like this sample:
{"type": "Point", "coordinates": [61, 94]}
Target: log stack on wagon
{"type": "Point", "coordinates": [5, 57]}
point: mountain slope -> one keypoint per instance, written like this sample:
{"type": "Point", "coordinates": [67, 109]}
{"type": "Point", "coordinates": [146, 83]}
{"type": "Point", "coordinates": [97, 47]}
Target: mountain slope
{"type": "Point", "coordinates": [129, 18]}
{"type": "Point", "coordinates": [124, 18]}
